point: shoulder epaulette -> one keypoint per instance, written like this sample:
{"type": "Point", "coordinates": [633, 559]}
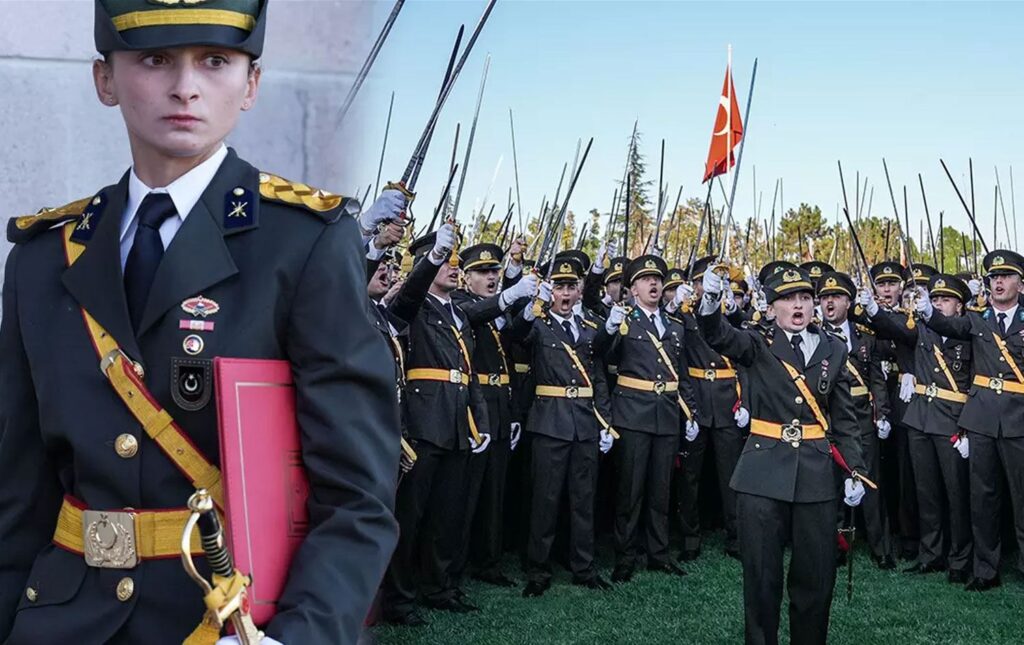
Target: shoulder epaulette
{"type": "Point", "coordinates": [676, 319]}
{"type": "Point", "coordinates": [24, 228]}
{"type": "Point", "coordinates": [976, 309]}
{"type": "Point", "coordinates": [590, 323]}
{"type": "Point", "coordinates": [864, 329]}
{"type": "Point", "coordinates": [328, 205]}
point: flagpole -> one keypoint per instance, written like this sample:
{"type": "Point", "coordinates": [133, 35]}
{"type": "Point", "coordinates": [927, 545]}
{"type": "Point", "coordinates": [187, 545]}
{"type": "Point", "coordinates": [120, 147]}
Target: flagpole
{"type": "Point", "coordinates": [739, 157]}
{"type": "Point", "coordinates": [728, 134]}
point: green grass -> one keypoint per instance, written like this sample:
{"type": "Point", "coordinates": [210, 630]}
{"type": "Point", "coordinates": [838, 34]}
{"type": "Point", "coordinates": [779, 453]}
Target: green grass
{"type": "Point", "coordinates": [706, 607]}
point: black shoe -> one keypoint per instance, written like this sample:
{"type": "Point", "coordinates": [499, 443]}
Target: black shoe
{"type": "Point", "coordinates": [733, 553]}
{"type": "Point", "coordinates": [666, 567]}
{"type": "Point", "coordinates": [689, 555]}
{"type": "Point", "coordinates": [908, 554]}
{"type": "Point", "coordinates": [495, 578]}
{"type": "Point", "coordinates": [536, 589]}
{"type": "Point", "coordinates": [409, 619]}
{"type": "Point", "coordinates": [622, 573]}
{"type": "Point", "coordinates": [883, 562]}
{"type": "Point", "coordinates": [925, 568]}
{"type": "Point", "coordinates": [594, 582]}
{"type": "Point", "coordinates": [983, 584]}
{"type": "Point", "coordinates": [957, 576]}
{"type": "Point", "coordinates": [454, 605]}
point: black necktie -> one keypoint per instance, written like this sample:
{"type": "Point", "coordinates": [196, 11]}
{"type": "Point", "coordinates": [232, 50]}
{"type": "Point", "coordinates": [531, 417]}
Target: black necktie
{"type": "Point", "coordinates": [147, 249]}
{"type": "Point", "coordinates": [1002, 322]}
{"type": "Point", "coordinates": [796, 341]}
{"type": "Point", "coordinates": [654, 323]}
{"type": "Point", "coordinates": [451, 310]}
{"type": "Point", "coordinates": [567, 326]}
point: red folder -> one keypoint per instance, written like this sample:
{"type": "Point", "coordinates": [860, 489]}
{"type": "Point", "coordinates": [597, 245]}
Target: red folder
{"type": "Point", "coordinates": [265, 483]}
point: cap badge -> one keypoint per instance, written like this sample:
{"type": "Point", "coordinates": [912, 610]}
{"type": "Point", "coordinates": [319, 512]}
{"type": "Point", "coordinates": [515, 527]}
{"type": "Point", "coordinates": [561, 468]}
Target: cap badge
{"type": "Point", "coordinates": [917, 272]}
{"type": "Point", "coordinates": [650, 264]}
{"type": "Point", "coordinates": [998, 260]}
{"type": "Point", "coordinates": [790, 276]}
{"type": "Point", "coordinates": [486, 255]}
{"type": "Point", "coordinates": [831, 282]}
{"type": "Point", "coordinates": [565, 267]}
{"type": "Point", "coordinates": [940, 283]}
{"type": "Point", "coordinates": [816, 271]}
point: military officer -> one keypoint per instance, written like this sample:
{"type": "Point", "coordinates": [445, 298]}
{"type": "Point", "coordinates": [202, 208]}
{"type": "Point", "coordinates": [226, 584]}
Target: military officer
{"type": "Point", "coordinates": [193, 254]}
{"type": "Point", "coordinates": [800, 404]}
{"type": "Point", "coordinates": [993, 417]}
{"type": "Point", "coordinates": [651, 395]}
{"type": "Point", "coordinates": [816, 269]}
{"type": "Point", "coordinates": [942, 371]}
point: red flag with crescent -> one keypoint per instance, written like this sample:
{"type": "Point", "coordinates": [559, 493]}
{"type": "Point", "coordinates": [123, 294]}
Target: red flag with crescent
{"type": "Point", "coordinates": [720, 155]}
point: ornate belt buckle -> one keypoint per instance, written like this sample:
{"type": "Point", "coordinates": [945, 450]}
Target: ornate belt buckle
{"type": "Point", "coordinates": [659, 387]}
{"type": "Point", "coordinates": [710, 374]}
{"type": "Point", "coordinates": [455, 376]}
{"type": "Point", "coordinates": [572, 392]}
{"type": "Point", "coordinates": [109, 539]}
{"type": "Point", "coordinates": [996, 384]}
{"type": "Point", "coordinates": [792, 433]}
{"type": "Point", "coordinates": [494, 379]}
{"type": "Point", "coordinates": [931, 391]}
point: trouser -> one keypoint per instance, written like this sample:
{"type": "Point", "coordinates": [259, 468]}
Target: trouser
{"type": "Point", "coordinates": [943, 500]}
{"type": "Point", "coordinates": [994, 461]}
{"type": "Point", "coordinates": [902, 497]}
{"type": "Point", "coordinates": [485, 546]}
{"type": "Point", "coordinates": [644, 477]}
{"type": "Point", "coordinates": [570, 468]}
{"type": "Point", "coordinates": [765, 527]}
{"type": "Point", "coordinates": [876, 521]}
{"type": "Point", "coordinates": [430, 510]}
{"type": "Point", "coordinates": [727, 444]}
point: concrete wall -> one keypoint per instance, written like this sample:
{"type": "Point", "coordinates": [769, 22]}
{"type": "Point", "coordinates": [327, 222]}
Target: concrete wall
{"type": "Point", "coordinates": [60, 143]}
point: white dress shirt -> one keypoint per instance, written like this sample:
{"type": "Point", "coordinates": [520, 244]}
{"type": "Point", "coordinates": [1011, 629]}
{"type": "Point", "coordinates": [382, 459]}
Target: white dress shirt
{"type": "Point", "coordinates": [185, 192]}
{"type": "Point", "coordinates": [1010, 313]}
{"type": "Point", "coordinates": [657, 318]}
{"type": "Point", "coordinates": [572, 322]}
{"type": "Point", "coordinates": [809, 344]}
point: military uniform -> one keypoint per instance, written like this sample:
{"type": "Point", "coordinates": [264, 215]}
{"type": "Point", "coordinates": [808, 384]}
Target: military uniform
{"type": "Point", "coordinates": [785, 477]}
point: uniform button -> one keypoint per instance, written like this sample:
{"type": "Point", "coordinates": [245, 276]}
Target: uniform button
{"type": "Point", "coordinates": [712, 363]}
{"type": "Point", "coordinates": [31, 594]}
{"type": "Point", "coordinates": [126, 445]}
{"type": "Point", "coordinates": [935, 369]}
{"type": "Point", "coordinates": [799, 399]}
{"type": "Point", "coordinates": [659, 375]}
{"type": "Point", "coordinates": [757, 445]}
{"type": "Point", "coordinates": [125, 589]}
{"type": "Point", "coordinates": [1002, 360]}
{"type": "Point", "coordinates": [574, 381]}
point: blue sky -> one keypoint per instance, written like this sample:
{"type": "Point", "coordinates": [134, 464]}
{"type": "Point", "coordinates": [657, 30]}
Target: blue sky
{"type": "Point", "coordinates": [850, 81]}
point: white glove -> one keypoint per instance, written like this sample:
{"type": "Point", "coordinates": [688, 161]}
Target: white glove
{"type": "Point", "coordinates": [974, 285]}
{"type": "Point", "coordinates": [963, 446]}
{"type": "Point", "coordinates": [517, 431]}
{"type": "Point", "coordinates": [762, 302]}
{"type": "Point", "coordinates": [713, 283]}
{"type": "Point", "coordinates": [477, 448]}
{"type": "Point", "coordinates": [683, 293]}
{"type": "Point", "coordinates": [854, 491]}
{"type": "Point", "coordinates": [604, 251]}
{"type": "Point", "coordinates": [742, 417]}
{"type": "Point", "coordinates": [607, 300]}
{"type": "Point", "coordinates": [615, 318]}
{"type": "Point", "coordinates": [443, 244]}
{"type": "Point", "coordinates": [692, 430]}
{"type": "Point", "coordinates": [907, 382]}
{"type": "Point", "coordinates": [525, 288]}
{"type": "Point", "coordinates": [867, 300]}
{"type": "Point", "coordinates": [388, 207]}
{"type": "Point", "coordinates": [233, 640]}
{"type": "Point", "coordinates": [606, 441]}
{"type": "Point", "coordinates": [924, 303]}
{"type": "Point", "coordinates": [884, 428]}
{"type": "Point", "coordinates": [755, 284]}
{"type": "Point", "coordinates": [544, 292]}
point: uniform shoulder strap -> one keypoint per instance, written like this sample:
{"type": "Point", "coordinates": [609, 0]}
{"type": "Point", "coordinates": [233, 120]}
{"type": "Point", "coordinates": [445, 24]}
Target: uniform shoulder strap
{"type": "Point", "coordinates": [26, 227]}
{"type": "Point", "coordinates": [328, 206]}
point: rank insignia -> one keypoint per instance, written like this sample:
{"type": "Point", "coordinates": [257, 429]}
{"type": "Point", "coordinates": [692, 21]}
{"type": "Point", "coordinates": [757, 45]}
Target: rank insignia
{"type": "Point", "coordinates": [90, 219]}
{"type": "Point", "coordinates": [191, 383]}
{"type": "Point", "coordinates": [239, 208]}
{"type": "Point", "coordinates": [200, 307]}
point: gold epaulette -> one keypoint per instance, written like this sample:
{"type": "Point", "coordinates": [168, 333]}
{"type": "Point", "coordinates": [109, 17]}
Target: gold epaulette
{"type": "Point", "coordinates": [590, 323]}
{"type": "Point", "coordinates": [864, 329]}
{"type": "Point", "coordinates": [977, 308]}
{"type": "Point", "coordinates": [21, 229]}
{"type": "Point", "coordinates": [278, 189]}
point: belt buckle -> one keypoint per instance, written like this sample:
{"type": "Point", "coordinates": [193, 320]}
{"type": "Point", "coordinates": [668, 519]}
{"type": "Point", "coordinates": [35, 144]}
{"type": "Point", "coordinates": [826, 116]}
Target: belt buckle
{"type": "Point", "coordinates": [659, 387]}
{"type": "Point", "coordinates": [109, 539]}
{"type": "Point", "coordinates": [710, 374]}
{"type": "Point", "coordinates": [494, 379]}
{"type": "Point", "coordinates": [792, 433]}
{"type": "Point", "coordinates": [996, 384]}
{"type": "Point", "coordinates": [455, 376]}
{"type": "Point", "coordinates": [572, 392]}
{"type": "Point", "coordinates": [931, 391]}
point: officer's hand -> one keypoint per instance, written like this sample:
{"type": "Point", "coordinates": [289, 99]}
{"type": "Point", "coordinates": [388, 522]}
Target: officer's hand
{"type": "Point", "coordinates": [388, 236]}
{"type": "Point", "coordinates": [544, 291]}
{"type": "Point", "coordinates": [692, 430]}
{"type": "Point", "coordinates": [477, 448]}
{"type": "Point", "coordinates": [393, 291]}
{"type": "Point", "coordinates": [516, 250]}
{"type": "Point", "coordinates": [714, 284]}
{"type": "Point", "coordinates": [907, 382]}
{"type": "Point", "coordinates": [517, 431]}
{"type": "Point", "coordinates": [741, 416]}
{"type": "Point", "coordinates": [233, 640]}
{"type": "Point", "coordinates": [867, 300]}
{"type": "Point", "coordinates": [615, 318]}
{"type": "Point", "coordinates": [762, 302]}
{"type": "Point", "coordinates": [445, 242]}
{"type": "Point", "coordinates": [963, 446]}
{"type": "Point", "coordinates": [755, 284]}
{"type": "Point", "coordinates": [924, 303]}
{"type": "Point", "coordinates": [974, 285]}
{"type": "Point", "coordinates": [683, 293]}
{"type": "Point", "coordinates": [605, 251]}
{"type": "Point", "coordinates": [389, 206]}
{"type": "Point", "coordinates": [884, 428]}
{"type": "Point", "coordinates": [606, 441]}
{"type": "Point", "coordinates": [525, 288]}
{"type": "Point", "coordinates": [854, 490]}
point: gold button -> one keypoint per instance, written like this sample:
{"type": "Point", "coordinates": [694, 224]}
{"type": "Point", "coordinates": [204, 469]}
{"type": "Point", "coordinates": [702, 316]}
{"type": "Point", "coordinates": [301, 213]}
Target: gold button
{"type": "Point", "coordinates": [126, 445]}
{"type": "Point", "coordinates": [31, 594]}
{"type": "Point", "coordinates": [125, 589]}
{"type": "Point", "coordinates": [799, 399]}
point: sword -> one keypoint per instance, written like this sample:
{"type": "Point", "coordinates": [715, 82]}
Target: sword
{"type": "Point", "coordinates": [372, 56]}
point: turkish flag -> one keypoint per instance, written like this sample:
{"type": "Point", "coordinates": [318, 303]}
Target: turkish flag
{"type": "Point", "coordinates": [720, 156]}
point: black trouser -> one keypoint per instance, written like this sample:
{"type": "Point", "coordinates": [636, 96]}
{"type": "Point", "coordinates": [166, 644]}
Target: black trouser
{"type": "Point", "coordinates": [561, 467]}
{"type": "Point", "coordinates": [728, 444]}
{"type": "Point", "coordinates": [943, 500]}
{"type": "Point", "coordinates": [995, 461]}
{"type": "Point", "coordinates": [430, 511]}
{"type": "Point", "coordinates": [486, 544]}
{"type": "Point", "coordinates": [902, 498]}
{"type": "Point", "coordinates": [644, 476]}
{"type": "Point", "coordinates": [765, 527]}
{"type": "Point", "coordinates": [876, 521]}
